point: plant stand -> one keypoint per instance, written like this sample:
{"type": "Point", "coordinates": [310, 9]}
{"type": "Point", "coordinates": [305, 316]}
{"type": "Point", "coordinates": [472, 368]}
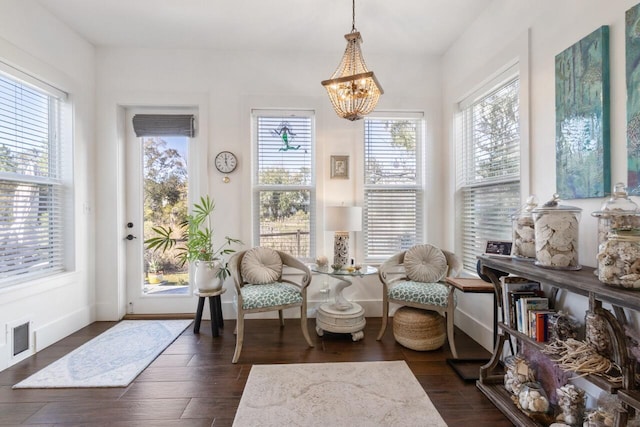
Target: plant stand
{"type": "Point", "coordinates": [215, 308]}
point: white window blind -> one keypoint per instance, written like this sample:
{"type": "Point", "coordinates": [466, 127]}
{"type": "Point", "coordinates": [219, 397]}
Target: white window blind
{"type": "Point", "coordinates": [31, 189]}
{"type": "Point", "coordinates": [284, 182]}
{"type": "Point", "coordinates": [489, 168]}
{"type": "Point", "coordinates": [392, 186]}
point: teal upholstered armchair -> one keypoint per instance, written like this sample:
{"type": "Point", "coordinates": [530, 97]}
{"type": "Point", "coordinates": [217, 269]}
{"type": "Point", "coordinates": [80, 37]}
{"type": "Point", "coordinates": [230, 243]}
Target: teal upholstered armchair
{"type": "Point", "coordinates": [268, 280]}
{"type": "Point", "coordinates": [415, 278]}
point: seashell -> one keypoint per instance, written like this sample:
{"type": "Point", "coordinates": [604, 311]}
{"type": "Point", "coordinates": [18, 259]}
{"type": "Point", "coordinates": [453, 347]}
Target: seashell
{"type": "Point", "coordinates": [544, 234]}
{"type": "Point", "coordinates": [527, 234]}
{"type": "Point", "coordinates": [561, 260]}
{"type": "Point", "coordinates": [544, 257]}
{"type": "Point", "coordinates": [540, 404]}
{"type": "Point", "coordinates": [528, 249]}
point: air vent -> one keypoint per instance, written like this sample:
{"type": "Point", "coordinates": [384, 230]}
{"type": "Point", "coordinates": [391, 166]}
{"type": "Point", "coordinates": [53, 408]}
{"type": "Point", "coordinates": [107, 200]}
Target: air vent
{"type": "Point", "coordinates": [20, 338]}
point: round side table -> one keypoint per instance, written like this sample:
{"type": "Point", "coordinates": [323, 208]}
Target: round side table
{"type": "Point", "coordinates": [342, 316]}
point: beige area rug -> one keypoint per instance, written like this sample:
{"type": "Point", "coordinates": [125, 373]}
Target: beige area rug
{"type": "Point", "coordinates": [350, 394]}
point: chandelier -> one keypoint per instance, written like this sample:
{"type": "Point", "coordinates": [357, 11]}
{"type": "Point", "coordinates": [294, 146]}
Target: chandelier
{"type": "Point", "coordinates": [353, 89]}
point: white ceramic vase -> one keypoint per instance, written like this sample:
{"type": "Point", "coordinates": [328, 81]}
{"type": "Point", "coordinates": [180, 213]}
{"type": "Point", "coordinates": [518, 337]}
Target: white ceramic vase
{"type": "Point", "coordinates": [206, 276]}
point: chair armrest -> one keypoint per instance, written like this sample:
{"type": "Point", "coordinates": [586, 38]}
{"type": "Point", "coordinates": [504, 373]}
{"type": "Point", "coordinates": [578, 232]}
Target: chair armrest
{"type": "Point", "coordinates": [295, 263]}
{"type": "Point", "coordinates": [392, 269]}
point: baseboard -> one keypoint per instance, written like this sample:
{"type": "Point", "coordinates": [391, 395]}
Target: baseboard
{"type": "Point", "coordinates": [52, 332]}
{"type": "Point", "coordinates": [480, 333]}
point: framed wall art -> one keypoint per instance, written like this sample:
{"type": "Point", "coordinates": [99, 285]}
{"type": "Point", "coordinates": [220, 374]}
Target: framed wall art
{"type": "Point", "coordinates": [632, 52]}
{"type": "Point", "coordinates": [582, 118]}
{"type": "Point", "coordinates": [340, 167]}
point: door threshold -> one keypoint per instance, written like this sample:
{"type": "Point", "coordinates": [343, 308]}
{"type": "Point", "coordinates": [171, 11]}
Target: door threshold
{"type": "Point", "coordinates": [159, 316]}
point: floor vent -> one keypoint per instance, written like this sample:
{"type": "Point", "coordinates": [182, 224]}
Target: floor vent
{"type": "Point", "coordinates": [21, 335]}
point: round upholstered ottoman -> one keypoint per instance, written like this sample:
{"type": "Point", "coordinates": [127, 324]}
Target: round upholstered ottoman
{"type": "Point", "coordinates": [419, 329]}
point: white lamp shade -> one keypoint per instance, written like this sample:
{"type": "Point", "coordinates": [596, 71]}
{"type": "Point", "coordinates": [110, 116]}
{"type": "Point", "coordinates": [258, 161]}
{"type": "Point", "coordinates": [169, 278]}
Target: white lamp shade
{"type": "Point", "coordinates": [343, 218]}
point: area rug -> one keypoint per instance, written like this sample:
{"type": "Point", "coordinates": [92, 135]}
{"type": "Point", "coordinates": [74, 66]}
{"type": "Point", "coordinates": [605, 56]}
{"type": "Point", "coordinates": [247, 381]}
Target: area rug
{"type": "Point", "coordinates": [112, 359]}
{"type": "Point", "coordinates": [335, 394]}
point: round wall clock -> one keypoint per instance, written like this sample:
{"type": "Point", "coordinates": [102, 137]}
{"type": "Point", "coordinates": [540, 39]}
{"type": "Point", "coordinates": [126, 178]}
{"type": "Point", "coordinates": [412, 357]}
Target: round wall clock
{"type": "Point", "coordinates": [226, 162]}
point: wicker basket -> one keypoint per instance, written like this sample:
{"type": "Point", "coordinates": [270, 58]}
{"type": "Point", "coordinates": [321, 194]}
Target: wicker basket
{"type": "Point", "coordinates": [419, 329]}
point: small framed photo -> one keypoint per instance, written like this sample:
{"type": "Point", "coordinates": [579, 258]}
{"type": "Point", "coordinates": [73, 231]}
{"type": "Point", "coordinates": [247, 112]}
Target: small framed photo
{"type": "Point", "coordinates": [498, 248]}
{"type": "Point", "coordinates": [340, 167]}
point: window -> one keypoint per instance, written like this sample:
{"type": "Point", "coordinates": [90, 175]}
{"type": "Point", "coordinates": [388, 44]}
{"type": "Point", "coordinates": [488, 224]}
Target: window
{"type": "Point", "coordinates": [284, 182]}
{"type": "Point", "coordinates": [489, 169]}
{"type": "Point", "coordinates": [32, 191]}
{"type": "Point", "coordinates": [392, 185]}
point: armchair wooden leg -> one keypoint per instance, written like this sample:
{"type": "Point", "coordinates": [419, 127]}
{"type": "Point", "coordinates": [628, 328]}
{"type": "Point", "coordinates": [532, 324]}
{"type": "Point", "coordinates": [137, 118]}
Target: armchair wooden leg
{"type": "Point", "coordinates": [239, 336]}
{"type": "Point", "coordinates": [281, 316]}
{"type": "Point", "coordinates": [385, 317]}
{"type": "Point", "coordinates": [450, 337]}
{"type": "Point", "coordinates": [303, 323]}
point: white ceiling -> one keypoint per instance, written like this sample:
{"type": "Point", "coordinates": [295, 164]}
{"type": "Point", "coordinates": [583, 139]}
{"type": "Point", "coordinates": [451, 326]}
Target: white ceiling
{"type": "Point", "coordinates": [386, 26]}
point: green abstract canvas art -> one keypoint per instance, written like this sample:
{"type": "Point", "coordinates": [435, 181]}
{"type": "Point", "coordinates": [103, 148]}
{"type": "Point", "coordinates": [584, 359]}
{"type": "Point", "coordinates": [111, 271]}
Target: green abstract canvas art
{"type": "Point", "coordinates": [582, 118]}
{"type": "Point", "coordinates": [632, 35]}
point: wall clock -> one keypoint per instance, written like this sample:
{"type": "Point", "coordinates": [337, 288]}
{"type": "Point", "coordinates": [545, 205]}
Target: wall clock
{"type": "Point", "coordinates": [226, 162]}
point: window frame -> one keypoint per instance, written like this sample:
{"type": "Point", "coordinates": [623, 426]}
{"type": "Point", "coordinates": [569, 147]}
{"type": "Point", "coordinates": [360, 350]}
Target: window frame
{"type": "Point", "coordinates": [257, 188]}
{"type": "Point", "coordinates": [417, 187]}
{"type": "Point", "coordinates": [59, 152]}
{"type": "Point", "coordinates": [471, 246]}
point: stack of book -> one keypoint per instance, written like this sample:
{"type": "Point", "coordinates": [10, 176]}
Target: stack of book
{"type": "Point", "coordinates": [525, 307]}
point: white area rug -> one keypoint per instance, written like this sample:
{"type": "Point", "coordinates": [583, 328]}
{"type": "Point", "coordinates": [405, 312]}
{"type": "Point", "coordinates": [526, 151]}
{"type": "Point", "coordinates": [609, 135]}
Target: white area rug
{"type": "Point", "coordinates": [350, 394]}
{"type": "Point", "coordinates": [112, 359]}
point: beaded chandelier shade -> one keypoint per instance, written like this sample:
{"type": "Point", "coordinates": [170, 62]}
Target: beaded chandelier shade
{"type": "Point", "coordinates": [353, 89]}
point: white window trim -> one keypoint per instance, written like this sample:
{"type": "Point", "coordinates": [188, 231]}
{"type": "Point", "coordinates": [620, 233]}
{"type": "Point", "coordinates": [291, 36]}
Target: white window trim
{"type": "Point", "coordinates": [513, 69]}
{"type": "Point", "coordinates": [420, 176]}
{"type": "Point", "coordinates": [256, 188]}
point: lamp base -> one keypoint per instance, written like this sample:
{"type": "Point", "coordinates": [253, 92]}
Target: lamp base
{"type": "Point", "coordinates": [341, 248]}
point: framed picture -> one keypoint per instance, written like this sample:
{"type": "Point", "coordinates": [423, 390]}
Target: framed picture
{"type": "Point", "coordinates": [582, 118]}
{"type": "Point", "coordinates": [340, 167]}
{"type": "Point", "coordinates": [498, 248]}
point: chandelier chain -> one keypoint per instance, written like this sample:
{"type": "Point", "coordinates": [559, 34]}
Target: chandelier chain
{"type": "Point", "coordinates": [353, 16]}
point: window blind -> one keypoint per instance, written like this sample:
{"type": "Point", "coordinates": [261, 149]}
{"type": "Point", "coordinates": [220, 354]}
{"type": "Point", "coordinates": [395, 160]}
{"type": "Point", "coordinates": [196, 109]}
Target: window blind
{"type": "Point", "coordinates": [31, 190]}
{"type": "Point", "coordinates": [284, 190]}
{"type": "Point", "coordinates": [164, 125]}
{"type": "Point", "coordinates": [489, 176]}
{"type": "Point", "coordinates": [393, 196]}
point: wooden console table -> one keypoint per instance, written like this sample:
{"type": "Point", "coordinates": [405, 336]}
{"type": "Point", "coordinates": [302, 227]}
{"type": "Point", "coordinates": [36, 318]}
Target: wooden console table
{"type": "Point", "coordinates": [583, 282]}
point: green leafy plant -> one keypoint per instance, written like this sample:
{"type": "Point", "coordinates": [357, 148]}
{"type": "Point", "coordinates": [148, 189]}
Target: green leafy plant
{"type": "Point", "coordinates": [195, 241]}
{"type": "Point", "coordinates": [154, 266]}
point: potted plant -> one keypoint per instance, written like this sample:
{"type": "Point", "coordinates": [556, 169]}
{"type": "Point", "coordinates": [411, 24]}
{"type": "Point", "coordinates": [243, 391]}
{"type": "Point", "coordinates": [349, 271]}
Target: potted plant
{"type": "Point", "coordinates": [196, 245]}
{"type": "Point", "coordinates": [154, 273]}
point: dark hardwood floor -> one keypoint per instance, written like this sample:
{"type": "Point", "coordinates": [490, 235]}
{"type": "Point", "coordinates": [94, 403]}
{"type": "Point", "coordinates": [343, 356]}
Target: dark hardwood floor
{"type": "Point", "coordinates": [194, 383]}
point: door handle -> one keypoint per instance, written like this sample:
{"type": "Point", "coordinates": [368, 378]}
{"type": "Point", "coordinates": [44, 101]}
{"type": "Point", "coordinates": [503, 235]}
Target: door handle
{"type": "Point", "coordinates": [130, 237]}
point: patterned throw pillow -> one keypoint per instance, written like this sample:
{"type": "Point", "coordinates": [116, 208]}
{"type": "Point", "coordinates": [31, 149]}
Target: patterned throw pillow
{"type": "Point", "coordinates": [261, 265]}
{"type": "Point", "coordinates": [425, 263]}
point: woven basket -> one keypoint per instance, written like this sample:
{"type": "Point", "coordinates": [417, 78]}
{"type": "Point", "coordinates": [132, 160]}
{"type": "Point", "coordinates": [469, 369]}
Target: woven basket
{"type": "Point", "coordinates": [418, 329]}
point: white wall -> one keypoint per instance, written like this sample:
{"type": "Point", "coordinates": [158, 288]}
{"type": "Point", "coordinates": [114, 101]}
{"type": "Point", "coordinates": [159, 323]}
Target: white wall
{"type": "Point", "coordinates": [227, 85]}
{"type": "Point", "coordinates": [492, 41]}
{"type": "Point", "coordinates": [34, 42]}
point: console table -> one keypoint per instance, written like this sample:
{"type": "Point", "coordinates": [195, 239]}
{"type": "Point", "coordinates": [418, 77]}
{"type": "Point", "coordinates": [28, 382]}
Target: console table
{"type": "Point", "coordinates": [582, 282]}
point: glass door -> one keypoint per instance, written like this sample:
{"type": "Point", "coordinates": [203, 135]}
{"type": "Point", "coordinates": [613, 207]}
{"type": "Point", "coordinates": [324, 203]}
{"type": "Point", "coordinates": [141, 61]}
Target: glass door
{"type": "Point", "coordinates": [157, 185]}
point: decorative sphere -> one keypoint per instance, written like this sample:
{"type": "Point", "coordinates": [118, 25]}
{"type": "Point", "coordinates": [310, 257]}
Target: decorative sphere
{"type": "Point", "coordinates": [321, 261]}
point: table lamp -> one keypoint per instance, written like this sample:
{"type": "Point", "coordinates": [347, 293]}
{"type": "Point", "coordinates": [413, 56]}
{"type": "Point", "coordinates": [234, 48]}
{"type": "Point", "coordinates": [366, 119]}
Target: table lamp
{"type": "Point", "coordinates": [342, 220]}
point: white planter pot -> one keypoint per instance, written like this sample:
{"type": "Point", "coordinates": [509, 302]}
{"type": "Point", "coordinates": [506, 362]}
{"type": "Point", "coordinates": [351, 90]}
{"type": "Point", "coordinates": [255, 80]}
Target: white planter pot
{"type": "Point", "coordinates": [206, 276]}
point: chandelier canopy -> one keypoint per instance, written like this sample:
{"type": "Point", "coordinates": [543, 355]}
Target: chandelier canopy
{"type": "Point", "coordinates": [353, 89]}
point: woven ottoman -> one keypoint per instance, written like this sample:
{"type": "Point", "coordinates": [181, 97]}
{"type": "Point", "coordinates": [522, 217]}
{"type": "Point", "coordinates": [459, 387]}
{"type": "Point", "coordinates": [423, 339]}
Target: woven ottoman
{"type": "Point", "coordinates": [419, 329]}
